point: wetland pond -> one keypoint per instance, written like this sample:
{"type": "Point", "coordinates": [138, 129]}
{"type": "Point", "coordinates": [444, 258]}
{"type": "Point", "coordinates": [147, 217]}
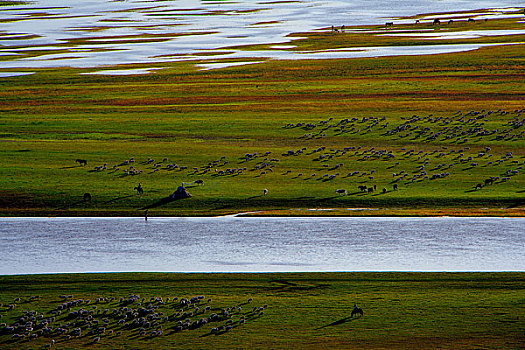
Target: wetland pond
{"type": "Point", "coordinates": [85, 34]}
{"type": "Point", "coordinates": [247, 244]}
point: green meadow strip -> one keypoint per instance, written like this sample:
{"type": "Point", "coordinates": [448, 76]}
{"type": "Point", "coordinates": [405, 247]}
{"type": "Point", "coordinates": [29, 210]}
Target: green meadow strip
{"type": "Point", "coordinates": [276, 310]}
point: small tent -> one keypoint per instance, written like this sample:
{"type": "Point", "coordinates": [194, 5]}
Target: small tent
{"type": "Point", "coordinates": [181, 193]}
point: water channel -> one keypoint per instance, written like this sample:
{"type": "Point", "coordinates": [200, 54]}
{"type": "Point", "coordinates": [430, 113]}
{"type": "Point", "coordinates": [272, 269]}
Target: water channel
{"type": "Point", "coordinates": [241, 244]}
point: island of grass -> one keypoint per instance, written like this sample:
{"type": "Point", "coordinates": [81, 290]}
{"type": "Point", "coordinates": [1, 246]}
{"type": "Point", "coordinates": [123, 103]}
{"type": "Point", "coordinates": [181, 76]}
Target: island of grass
{"type": "Point", "coordinates": [404, 135]}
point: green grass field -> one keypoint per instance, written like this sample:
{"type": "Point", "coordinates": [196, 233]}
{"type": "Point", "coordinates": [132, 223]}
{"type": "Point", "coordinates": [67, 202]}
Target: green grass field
{"type": "Point", "coordinates": [299, 310]}
{"type": "Point", "coordinates": [435, 125]}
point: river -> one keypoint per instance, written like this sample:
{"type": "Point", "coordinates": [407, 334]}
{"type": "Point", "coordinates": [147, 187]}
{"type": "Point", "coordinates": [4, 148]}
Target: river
{"type": "Point", "coordinates": [241, 244]}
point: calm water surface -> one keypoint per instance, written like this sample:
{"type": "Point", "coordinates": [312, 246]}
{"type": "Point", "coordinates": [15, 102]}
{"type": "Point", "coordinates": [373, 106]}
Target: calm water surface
{"type": "Point", "coordinates": [236, 244]}
{"type": "Point", "coordinates": [79, 33]}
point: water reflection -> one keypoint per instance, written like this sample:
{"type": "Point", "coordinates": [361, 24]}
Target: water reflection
{"type": "Point", "coordinates": [49, 33]}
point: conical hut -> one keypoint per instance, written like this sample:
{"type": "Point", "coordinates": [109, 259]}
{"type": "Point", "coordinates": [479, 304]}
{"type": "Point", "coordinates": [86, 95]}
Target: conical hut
{"type": "Point", "coordinates": [181, 193]}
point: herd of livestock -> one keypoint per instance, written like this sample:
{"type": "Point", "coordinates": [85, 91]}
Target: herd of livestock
{"type": "Point", "coordinates": [437, 147]}
{"type": "Point", "coordinates": [91, 321]}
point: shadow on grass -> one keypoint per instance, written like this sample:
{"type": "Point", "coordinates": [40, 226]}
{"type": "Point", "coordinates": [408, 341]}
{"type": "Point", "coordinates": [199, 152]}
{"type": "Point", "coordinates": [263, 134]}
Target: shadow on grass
{"type": "Point", "coordinates": [518, 203]}
{"type": "Point", "coordinates": [161, 202]}
{"type": "Point", "coordinates": [326, 199]}
{"type": "Point", "coordinates": [336, 323]}
{"type": "Point", "coordinates": [118, 199]}
{"type": "Point", "coordinates": [74, 204]}
{"type": "Point", "coordinates": [253, 197]}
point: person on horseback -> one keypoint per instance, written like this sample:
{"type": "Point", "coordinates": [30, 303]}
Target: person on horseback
{"type": "Point", "coordinates": [356, 310]}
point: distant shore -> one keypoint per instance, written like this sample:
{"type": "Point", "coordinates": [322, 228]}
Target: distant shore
{"type": "Point", "coordinates": [291, 212]}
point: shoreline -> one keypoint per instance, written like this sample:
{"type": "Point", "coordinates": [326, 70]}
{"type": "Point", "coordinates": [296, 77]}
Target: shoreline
{"type": "Point", "coordinates": [290, 212]}
{"type": "Point", "coordinates": [167, 274]}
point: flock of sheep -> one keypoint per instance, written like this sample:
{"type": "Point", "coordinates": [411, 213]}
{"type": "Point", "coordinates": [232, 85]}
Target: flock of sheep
{"type": "Point", "coordinates": [437, 149]}
{"type": "Point", "coordinates": [460, 128]}
{"type": "Point", "coordinates": [132, 317]}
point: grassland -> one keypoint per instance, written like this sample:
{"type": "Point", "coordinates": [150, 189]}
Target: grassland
{"type": "Point", "coordinates": [307, 311]}
{"type": "Point", "coordinates": [394, 120]}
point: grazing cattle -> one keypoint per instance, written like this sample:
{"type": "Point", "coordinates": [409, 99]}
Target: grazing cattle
{"type": "Point", "coordinates": [198, 182]}
{"type": "Point", "coordinates": [395, 187]}
{"type": "Point", "coordinates": [471, 20]}
{"type": "Point", "coordinates": [436, 22]}
{"type": "Point", "coordinates": [478, 186]}
{"type": "Point", "coordinates": [370, 189]}
{"type": "Point", "coordinates": [384, 190]}
{"type": "Point", "coordinates": [362, 188]}
{"type": "Point", "coordinates": [87, 197]}
{"type": "Point", "coordinates": [81, 162]}
{"type": "Point", "coordinates": [341, 192]}
{"type": "Point", "coordinates": [489, 181]}
{"type": "Point", "coordinates": [389, 24]}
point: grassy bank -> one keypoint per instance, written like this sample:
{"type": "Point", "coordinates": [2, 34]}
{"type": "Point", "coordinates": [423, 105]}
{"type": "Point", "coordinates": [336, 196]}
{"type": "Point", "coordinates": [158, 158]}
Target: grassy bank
{"type": "Point", "coordinates": [292, 310]}
{"type": "Point", "coordinates": [436, 126]}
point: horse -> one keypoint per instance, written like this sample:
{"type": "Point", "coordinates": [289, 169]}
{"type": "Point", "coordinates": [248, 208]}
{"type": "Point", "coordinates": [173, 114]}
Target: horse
{"type": "Point", "coordinates": [81, 161]}
{"type": "Point", "coordinates": [87, 197]}
{"type": "Point", "coordinates": [356, 311]}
